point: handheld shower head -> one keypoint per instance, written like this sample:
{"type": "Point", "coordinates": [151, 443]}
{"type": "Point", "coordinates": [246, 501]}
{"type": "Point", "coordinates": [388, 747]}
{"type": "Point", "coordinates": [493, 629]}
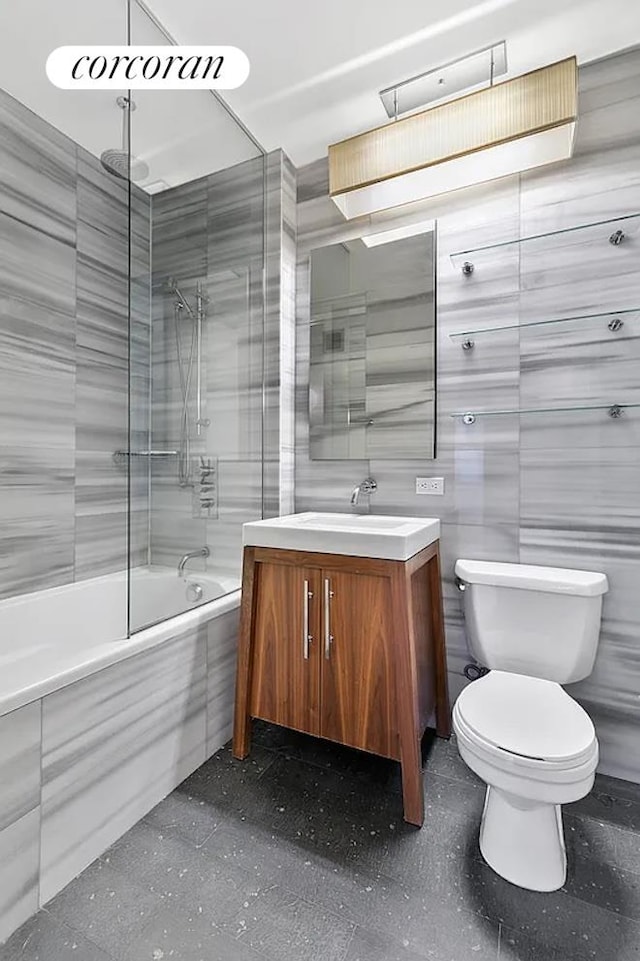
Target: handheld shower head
{"type": "Point", "coordinates": [181, 301]}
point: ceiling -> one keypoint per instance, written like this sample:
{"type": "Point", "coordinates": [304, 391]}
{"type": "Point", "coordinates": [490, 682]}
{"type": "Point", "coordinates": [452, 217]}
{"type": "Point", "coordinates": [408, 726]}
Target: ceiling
{"type": "Point", "coordinates": [182, 135]}
{"type": "Point", "coordinates": [316, 68]}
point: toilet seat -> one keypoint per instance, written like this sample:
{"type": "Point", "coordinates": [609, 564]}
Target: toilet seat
{"type": "Point", "coordinates": [526, 723]}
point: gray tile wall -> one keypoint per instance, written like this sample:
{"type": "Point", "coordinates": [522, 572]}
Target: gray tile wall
{"type": "Point", "coordinates": [64, 239]}
{"type": "Point", "coordinates": [213, 230]}
{"type": "Point", "coordinates": [279, 358]}
{"type": "Point", "coordinates": [210, 230]}
{"type": "Point", "coordinates": [80, 766]}
{"type": "Point", "coordinates": [20, 734]}
{"type": "Point", "coordinates": [560, 489]}
{"type": "Point", "coordinates": [115, 743]}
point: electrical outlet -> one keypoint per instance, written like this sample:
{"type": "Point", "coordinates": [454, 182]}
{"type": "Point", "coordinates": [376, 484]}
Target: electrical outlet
{"type": "Point", "coordinates": [430, 485]}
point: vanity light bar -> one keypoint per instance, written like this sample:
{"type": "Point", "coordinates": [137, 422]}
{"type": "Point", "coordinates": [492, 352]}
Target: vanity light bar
{"type": "Point", "coordinates": [513, 126]}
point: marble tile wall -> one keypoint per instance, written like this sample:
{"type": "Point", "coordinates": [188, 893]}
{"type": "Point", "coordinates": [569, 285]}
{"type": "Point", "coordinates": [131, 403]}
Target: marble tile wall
{"type": "Point", "coordinates": [279, 357]}
{"type": "Point", "coordinates": [81, 766]}
{"type": "Point", "coordinates": [557, 489]}
{"type": "Point", "coordinates": [64, 249]}
{"type": "Point", "coordinates": [222, 646]}
{"type": "Point", "coordinates": [113, 745]}
{"type": "Point", "coordinates": [209, 231]}
{"type": "Point", "coordinates": [213, 231]}
{"type": "Point", "coordinates": [19, 816]}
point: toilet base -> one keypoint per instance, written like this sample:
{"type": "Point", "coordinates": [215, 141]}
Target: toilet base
{"type": "Point", "coordinates": [523, 841]}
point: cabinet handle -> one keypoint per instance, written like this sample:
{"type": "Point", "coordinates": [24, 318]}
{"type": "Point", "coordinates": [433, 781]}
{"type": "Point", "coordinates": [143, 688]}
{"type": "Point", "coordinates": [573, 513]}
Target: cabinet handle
{"type": "Point", "coordinates": [306, 637]}
{"type": "Point", "coordinates": [328, 636]}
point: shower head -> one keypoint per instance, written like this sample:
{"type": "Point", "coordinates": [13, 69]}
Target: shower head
{"type": "Point", "coordinates": [120, 164]}
{"type": "Point", "coordinates": [180, 302]}
{"type": "Point", "coordinates": [119, 161]}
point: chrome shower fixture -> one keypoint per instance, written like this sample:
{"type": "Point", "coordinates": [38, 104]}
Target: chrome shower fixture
{"type": "Point", "coordinates": [181, 302]}
{"type": "Point", "coordinates": [185, 370]}
{"type": "Point", "coordinates": [119, 161]}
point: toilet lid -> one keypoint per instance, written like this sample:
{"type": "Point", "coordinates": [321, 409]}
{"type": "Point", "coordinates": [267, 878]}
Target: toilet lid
{"type": "Point", "coordinates": [527, 716]}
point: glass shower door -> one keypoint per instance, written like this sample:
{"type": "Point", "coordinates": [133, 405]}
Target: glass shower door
{"type": "Point", "coordinates": [196, 348]}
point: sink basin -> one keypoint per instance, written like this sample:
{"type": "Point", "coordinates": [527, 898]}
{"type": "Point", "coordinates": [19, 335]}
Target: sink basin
{"type": "Point", "coordinates": [357, 535]}
{"type": "Point", "coordinates": [356, 522]}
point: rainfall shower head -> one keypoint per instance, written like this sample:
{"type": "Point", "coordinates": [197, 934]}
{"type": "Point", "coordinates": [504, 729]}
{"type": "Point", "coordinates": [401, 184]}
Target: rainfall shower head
{"type": "Point", "coordinates": [119, 161]}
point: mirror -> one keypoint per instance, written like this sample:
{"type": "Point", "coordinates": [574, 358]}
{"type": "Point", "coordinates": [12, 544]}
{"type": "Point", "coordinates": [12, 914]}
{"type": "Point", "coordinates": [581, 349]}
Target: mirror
{"type": "Point", "coordinates": [372, 360]}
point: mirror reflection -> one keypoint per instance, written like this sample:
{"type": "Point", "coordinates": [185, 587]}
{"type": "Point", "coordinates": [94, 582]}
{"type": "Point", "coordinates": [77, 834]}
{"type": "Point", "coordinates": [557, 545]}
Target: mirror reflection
{"type": "Point", "coordinates": [372, 374]}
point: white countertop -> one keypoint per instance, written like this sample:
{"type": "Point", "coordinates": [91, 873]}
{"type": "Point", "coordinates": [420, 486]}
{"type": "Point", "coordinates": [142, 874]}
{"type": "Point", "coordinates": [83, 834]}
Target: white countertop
{"type": "Point", "coordinates": [357, 535]}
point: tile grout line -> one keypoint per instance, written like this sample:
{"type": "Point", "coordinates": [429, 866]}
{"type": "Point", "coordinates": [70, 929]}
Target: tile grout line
{"type": "Point", "coordinates": [271, 883]}
{"type": "Point", "coordinates": [80, 935]}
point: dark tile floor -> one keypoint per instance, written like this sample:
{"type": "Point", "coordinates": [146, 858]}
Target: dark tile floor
{"type": "Point", "coordinates": [300, 854]}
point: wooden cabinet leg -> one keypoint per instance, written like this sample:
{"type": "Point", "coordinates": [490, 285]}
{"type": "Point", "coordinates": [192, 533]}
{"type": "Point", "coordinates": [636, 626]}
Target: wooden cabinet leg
{"type": "Point", "coordinates": [242, 717]}
{"type": "Point", "coordinates": [443, 710]}
{"type": "Point", "coordinates": [407, 698]}
{"type": "Point", "coordinates": [412, 786]}
{"type": "Point", "coordinates": [242, 739]}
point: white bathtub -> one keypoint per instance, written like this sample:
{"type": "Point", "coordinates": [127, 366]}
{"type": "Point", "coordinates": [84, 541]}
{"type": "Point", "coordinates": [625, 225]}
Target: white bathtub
{"type": "Point", "coordinates": [53, 637]}
{"type": "Point", "coordinates": [96, 728]}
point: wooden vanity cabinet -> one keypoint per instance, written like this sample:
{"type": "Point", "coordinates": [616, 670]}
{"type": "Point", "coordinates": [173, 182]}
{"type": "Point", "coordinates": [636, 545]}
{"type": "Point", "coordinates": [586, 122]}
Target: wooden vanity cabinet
{"type": "Point", "coordinates": [285, 685]}
{"type": "Point", "coordinates": [346, 648]}
{"type": "Point", "coordinates": [357, 688]}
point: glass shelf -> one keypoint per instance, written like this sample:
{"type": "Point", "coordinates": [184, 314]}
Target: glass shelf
{"type": "Point", "coordinates": [615, 324]}
{"type": "Point", "coordinates": [613, 410]}
{"type": "Point", "coordinates": [615, 230]}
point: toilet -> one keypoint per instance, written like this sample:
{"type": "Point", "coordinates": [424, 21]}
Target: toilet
{"type": "Point", "coordinates": [535, 628]}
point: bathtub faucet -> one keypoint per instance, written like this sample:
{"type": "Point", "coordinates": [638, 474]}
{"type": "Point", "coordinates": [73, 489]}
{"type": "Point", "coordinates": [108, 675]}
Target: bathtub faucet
{"type": "Point", "coordinates": [203, 552]}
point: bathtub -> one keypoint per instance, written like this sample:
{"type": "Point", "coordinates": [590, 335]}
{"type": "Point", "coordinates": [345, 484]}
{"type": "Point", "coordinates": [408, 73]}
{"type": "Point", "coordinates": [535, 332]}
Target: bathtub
{"type": "Point", "coordinates": [96, 727]}
{"type": "Point", "coordinates": [86, 626]}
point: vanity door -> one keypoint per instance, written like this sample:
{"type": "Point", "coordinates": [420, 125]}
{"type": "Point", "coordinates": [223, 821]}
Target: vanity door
{"type": "Point", "coordinates": [357, 674]}
{"type": "Point", "coordinates": [286, 656]}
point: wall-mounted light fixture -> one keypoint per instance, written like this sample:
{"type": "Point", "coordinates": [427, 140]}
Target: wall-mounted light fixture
{"type": "Point", "coordinates": [504, 129]}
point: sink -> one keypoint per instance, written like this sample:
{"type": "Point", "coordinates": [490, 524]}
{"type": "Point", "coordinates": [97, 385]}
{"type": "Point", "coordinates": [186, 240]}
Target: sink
{"type": "Point", "coordinates": [356, 522]}
{"type": "Point", "coordinates": [357, 535]}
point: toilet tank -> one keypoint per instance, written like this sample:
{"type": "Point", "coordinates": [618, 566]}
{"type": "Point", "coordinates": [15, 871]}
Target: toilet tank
{"type": "Point", "coordinates": [539, 621]}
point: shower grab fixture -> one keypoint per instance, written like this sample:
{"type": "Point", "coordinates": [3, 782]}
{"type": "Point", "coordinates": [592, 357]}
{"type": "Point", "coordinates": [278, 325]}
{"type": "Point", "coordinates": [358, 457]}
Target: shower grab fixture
{"type": "Point", "coordinates": [195, 356]}
{"type": "Point", "coordinates": [199, 316]}
{"type": "Point", "coordinates": [145, 453]}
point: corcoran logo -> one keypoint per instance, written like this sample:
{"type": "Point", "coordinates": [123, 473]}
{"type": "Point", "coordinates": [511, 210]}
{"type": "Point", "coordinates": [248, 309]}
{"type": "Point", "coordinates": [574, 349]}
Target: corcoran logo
{"type": "Point", "coordinates": [147, 68]}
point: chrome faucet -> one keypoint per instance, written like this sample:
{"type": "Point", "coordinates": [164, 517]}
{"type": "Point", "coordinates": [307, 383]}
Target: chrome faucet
{"type": "Point", "coordinates": [367, 486]}
{"type": "Point", "coordinates": [203, 552]}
